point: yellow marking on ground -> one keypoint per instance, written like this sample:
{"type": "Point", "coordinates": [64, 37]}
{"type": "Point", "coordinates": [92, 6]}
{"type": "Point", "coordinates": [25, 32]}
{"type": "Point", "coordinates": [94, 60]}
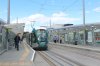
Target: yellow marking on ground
{"type": "Point", "coordinates": [25, 53]}
{"type": "Point", "coordinates": [16, 64]}
{"type": "Point", "coordinates": [21, 62]}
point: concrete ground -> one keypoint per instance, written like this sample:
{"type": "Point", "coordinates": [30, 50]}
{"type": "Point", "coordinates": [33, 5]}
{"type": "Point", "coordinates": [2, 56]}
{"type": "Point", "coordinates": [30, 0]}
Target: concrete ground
{"type": "Point", "coordinates": [23, 57]}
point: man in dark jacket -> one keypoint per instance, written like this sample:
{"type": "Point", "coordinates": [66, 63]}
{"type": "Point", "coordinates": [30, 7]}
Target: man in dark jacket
{"type": "Point", "coordinates": [17, 39]}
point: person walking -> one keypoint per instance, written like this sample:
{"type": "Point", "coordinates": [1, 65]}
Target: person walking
{"type": "Point", "coordinates": [17, 40]}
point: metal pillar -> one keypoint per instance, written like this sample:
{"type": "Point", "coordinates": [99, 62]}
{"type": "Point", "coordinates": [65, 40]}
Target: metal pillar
{"type": "Point", "coordinates": [84, 21]}
{"type": "Point", "coordinates": [8, 22]}
{"type": "Point", "coordinates": [8, 16]}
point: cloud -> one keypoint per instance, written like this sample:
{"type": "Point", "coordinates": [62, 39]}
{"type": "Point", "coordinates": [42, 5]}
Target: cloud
{"type": "Point", "coordinates": [33, 18]}
{"type": "Point", "coordinates": [97, 9]}
{"type": "Point", "coordinates": [43, 20]}
{"type": "Point", "coordinates": [63, 20]}
{"type": "Point", "coordinates": [59, 14]}
{"type": "Point", "coordinates": [59, 17]}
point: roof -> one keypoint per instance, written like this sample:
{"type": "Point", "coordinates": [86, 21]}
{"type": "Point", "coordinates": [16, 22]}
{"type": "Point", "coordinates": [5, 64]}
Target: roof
{"type": "Point", "coordinates": [2, 21]}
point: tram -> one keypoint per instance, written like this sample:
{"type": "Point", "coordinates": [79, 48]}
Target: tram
{"type": "Point", "coordinates": [39, 39]}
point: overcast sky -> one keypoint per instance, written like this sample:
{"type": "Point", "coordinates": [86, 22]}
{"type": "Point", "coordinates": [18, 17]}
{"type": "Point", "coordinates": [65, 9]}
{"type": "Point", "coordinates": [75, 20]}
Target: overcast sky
{"type": "Point", "coordinates": [57, 11]}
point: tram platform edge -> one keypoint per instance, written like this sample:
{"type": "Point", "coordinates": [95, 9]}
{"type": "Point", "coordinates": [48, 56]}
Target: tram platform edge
{"type": "Point", "coordinates": [84, 47]}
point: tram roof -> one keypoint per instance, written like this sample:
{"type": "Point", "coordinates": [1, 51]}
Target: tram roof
{"type": "Point", "coordinates": [41, 28]}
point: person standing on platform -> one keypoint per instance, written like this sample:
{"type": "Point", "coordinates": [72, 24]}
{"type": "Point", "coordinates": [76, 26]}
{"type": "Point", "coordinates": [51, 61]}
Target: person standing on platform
{"type": "Point", "coordinates": [17, 40]}
{"type": "Point", "coordinates": [55, 39]}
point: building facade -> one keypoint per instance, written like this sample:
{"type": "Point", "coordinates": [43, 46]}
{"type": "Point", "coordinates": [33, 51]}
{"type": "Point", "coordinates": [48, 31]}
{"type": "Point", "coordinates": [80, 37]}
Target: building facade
{"type": "Point", "coordinates": [75, 34]}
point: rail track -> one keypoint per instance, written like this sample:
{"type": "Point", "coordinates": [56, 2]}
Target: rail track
{"type": "Point", "coordinates": [46, 58]}
{"type": "Point", "coordinates": [55, 59]}
{"type": "Point", "coordinates": [88, 53]}
{"type": "Point", "coordinates": [62, 56]}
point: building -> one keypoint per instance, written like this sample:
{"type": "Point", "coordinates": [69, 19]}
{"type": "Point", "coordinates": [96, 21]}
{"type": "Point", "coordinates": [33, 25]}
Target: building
{"type": "Point", "coordinates": [70, 34]}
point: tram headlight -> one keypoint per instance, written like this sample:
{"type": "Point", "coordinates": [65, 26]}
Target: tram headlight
{"type": "Point", "coordinates": [38, 38]}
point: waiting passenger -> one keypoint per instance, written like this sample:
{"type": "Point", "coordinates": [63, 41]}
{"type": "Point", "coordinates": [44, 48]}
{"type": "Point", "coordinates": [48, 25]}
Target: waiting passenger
{"type": "Point", "coordinates": [54, 39]}
{"type": "Point", "coordinates": [60, 40]}
{"type": "Point", "coordinates": [17, 40]}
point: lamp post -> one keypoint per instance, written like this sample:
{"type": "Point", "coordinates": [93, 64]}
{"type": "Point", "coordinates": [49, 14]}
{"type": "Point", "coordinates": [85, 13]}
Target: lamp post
{"type": "Point", "coordinates": [8, 22]}
{"type": "Point", "coordinates": [8, 16]}
{"type": "Point", "coordinates": [84, 21]}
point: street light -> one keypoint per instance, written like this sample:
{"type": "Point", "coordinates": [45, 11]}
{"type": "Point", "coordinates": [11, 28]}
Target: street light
{"type": "Point", "coordinates": [8, 16]}
{"type": "Point", "coordinates": [8, 21]}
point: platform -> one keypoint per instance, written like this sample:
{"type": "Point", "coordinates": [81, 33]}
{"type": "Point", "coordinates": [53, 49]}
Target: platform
{"type": "Point", "coordinates": [85, 47]}
{"type": "Point", "coordinates": [23, 57]}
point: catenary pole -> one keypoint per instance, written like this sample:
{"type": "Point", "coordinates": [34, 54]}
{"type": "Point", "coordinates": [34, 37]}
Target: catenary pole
{"type": "Point", "coordinates": [8, 22]}
{"type": "Point", "coordinates": [84, 21]}
{"type": "Point", "coordinates": [8, 16]}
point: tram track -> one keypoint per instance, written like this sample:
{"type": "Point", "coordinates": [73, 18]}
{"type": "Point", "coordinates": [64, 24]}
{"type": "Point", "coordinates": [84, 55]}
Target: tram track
{"type": "Point", "coordinates": [73, 57]}
{"type": "Point", "coordinates": [85, 53]}
{"type": "Point", "coordinates": [58, 60]}
{"type": "Point", "coordinates": [45, 57]}
{"type": "Point", "coordinates": [67, 60]}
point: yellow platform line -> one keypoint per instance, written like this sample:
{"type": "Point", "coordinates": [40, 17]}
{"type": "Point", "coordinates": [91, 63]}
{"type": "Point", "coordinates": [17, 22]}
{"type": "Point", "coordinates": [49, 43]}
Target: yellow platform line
{"type": "Point", "coordinates": [16, 63]}
{"type": "Point", "coordinates": [25, 53]}
{"type": "Point", "coordinates": [21, 62]}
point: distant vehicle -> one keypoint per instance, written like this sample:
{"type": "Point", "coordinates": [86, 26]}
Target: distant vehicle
{"type": "Point", "coordinates": [39, 39]}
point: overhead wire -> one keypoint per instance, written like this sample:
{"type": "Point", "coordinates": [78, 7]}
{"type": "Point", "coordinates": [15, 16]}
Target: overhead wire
{"type": "Point", "coordinates": [69, 7]}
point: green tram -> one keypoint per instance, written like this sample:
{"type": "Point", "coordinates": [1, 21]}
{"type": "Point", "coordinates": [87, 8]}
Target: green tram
{"type": "Point", "coordinates": [39, 39]}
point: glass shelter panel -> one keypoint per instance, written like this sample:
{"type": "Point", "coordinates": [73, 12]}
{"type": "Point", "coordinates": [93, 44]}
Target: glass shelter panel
{"type": "Point", "coordinates": [3, 40]}
{"type": "Point", "coordinates": [81, 37]}
{"type": "Point", "coordinates": [71, 37]}
{"type": "Point", "coordinates": [89, 37]}
{"type": "Point", "coordinates": [66, 39]}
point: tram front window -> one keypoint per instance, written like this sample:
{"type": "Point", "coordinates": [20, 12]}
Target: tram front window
{"type": "Point", "coordinates": [41, 35]}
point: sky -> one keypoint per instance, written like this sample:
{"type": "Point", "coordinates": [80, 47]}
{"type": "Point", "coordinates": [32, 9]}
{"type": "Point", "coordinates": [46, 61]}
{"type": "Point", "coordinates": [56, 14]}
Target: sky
{"type": "Point", "coordinates": [36, 13]}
